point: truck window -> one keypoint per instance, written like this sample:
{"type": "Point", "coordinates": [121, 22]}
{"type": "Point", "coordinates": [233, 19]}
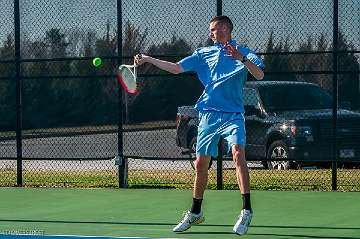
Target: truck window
{"type": "Point", "coordinates": [294, 97]}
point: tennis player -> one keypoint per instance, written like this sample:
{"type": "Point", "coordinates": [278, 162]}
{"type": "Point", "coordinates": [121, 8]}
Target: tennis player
{"type": "Point", "coordinates": [222, 69]}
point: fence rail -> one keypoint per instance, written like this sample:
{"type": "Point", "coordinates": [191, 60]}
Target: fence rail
{"type": "Point", "coordinates": [66, 123]}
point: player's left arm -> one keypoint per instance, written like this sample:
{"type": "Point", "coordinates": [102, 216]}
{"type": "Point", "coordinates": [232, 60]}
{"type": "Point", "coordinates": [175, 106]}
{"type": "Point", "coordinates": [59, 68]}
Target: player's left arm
{"type": "Point", "coordinates": [171, 67]}
{"type": "Point", "coordinates": [254, 69]}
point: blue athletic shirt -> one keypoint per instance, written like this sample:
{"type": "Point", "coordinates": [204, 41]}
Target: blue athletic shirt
{"type": "Point", "coordinates": [222, 76]}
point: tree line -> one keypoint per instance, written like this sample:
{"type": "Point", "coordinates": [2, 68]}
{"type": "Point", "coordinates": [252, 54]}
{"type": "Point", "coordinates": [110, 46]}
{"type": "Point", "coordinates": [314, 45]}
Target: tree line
{"type": "Point", "coordinates": [54, 94]}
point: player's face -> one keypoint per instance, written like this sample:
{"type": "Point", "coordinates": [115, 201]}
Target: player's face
{"type": "Point", "coordinates": [219, 32]}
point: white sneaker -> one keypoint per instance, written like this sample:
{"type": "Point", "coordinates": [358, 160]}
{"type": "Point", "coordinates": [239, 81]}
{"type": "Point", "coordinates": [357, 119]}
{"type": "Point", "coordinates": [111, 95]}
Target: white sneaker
{"type": "Point", "coordinates": [242, 224]}
{"type": "Point", "coordinates": [189, 220]}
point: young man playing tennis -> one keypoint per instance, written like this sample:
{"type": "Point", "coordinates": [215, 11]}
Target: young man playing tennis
{"type": "Point", "coordinates": [222, 69]}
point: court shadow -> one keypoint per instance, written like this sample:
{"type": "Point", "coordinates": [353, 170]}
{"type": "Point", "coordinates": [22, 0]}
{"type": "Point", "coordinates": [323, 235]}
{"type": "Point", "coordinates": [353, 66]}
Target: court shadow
{"type": "Point", "coordinates": [107, 222]}
{"type": "Point", "coordinates": [202, 225]}
{"type": "Point", "coordinates": [299, 236]}
{"type": "Point", "coordinates": [308, 227]}
{"type": "Point", "coordinates": [126, 223]}
{"type": "Point", "coordinates": [87, 222]}
{"type": "Point", "coordinates": [305, 235]}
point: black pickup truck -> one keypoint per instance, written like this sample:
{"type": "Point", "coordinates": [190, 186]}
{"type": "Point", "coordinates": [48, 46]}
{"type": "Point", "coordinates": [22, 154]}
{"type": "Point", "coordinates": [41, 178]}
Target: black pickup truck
{"type": "Point", "coordinates": [288, 125]}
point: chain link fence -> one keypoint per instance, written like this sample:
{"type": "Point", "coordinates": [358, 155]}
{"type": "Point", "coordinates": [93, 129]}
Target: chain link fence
{"type": "Point", "coordinates": [66, 123]}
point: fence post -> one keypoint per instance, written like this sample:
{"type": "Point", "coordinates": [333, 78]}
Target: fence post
{"type": "Point", "coordinates": [219, 166]}
{"type": "Point", "coordinates": [19, 180]}
{"type": "Point", "coordinates": [335, 95]}
{"type": "Point", "coordinates": [122, 165]}
{"type": "Point", "coordinates": [219, 7]}
{"type": "Point", "coordinates": [219, 160]}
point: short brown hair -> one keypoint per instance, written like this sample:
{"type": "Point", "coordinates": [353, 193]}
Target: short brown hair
{"type": "Point", "coordinates": [223, 19]}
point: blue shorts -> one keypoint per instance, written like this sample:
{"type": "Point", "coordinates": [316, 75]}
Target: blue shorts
{"type": "Point", "coordinates": [213, 125]}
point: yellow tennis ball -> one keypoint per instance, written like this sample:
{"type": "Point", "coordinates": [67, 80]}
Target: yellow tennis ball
{"type": "Point", "coordinates": [97, 61]}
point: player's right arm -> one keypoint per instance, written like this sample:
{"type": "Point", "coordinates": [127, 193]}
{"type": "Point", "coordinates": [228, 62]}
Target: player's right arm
{"type": "Point", "coordinates": [171, 67]}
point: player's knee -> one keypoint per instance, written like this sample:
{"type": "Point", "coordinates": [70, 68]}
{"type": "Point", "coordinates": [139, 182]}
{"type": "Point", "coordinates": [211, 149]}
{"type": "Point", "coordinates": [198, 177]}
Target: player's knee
{"type": "Point", "coordinates": [201, 165]}
{"type": "Point", "coordinates": [238, 154]}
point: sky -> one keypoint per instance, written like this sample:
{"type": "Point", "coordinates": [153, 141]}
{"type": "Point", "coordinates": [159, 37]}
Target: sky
{"type": "Point", "coordinates": [253, 19]}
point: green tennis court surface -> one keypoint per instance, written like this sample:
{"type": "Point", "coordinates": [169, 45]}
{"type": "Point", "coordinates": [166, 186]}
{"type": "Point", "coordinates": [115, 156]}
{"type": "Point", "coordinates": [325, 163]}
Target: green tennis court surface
{"type": "Point", "coordinates": [67, 237]}
{"type": "Point", "coordinates": [125, 213]}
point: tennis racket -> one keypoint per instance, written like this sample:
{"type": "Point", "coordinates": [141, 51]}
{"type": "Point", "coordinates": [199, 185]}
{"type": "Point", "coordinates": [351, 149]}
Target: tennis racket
{"type": "Point", "coordinates": [127, 77]}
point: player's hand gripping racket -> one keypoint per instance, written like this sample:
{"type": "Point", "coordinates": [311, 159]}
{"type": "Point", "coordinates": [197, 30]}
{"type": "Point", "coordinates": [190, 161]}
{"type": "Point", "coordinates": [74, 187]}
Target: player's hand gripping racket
{"type": "Point", "coordinates": [127, 77]}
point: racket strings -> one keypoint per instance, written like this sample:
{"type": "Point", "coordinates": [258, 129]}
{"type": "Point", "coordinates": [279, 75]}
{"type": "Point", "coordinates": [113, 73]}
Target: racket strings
{"type": "Point", "coordinates": [127, 78]}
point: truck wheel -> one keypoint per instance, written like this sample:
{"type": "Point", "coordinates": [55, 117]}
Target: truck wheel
{"type": "Point", "coordinates": [192, 146]}
{"type": "Point", "coordinates": [278, 150]}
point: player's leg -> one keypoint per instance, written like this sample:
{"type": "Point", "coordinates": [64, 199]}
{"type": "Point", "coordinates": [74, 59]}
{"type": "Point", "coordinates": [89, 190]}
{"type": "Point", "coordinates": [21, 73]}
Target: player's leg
{"type": "Point", "coordinates": [206, 147]}
{"type": "Point", "coordinates": [242, 171]}
{"type": "Point", "coordinates": [201, 176]}
{"type": "Point", "coordinates": [242, 175]}
{"type": "Point", "coordinates": [234, 133]}
{"type": "Point", "coordinates": [195, 215]}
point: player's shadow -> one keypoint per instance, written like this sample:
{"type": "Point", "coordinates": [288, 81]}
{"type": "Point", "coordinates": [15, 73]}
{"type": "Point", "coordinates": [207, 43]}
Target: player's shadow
{"type": "Point", "coordinates": [207, 233]}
